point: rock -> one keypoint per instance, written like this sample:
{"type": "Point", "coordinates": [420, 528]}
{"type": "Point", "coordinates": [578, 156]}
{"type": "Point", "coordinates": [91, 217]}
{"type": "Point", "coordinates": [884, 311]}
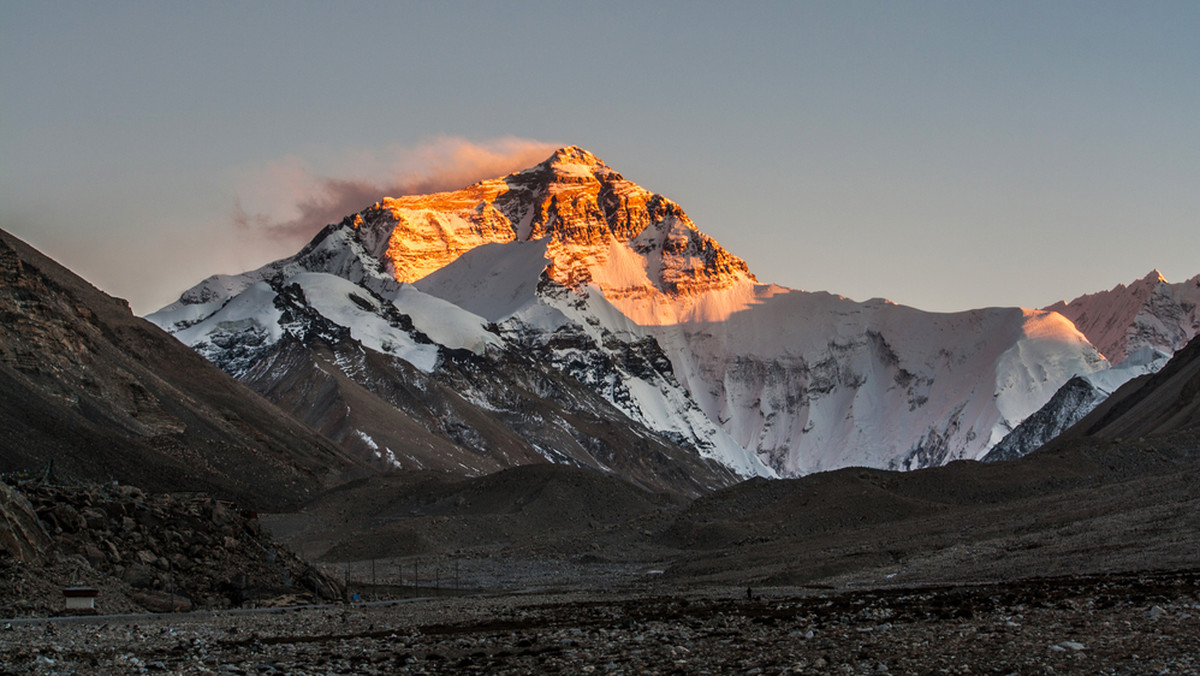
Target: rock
{"type": "Point", "coordinates": [324, 586]}
{"type": "Point", "coordinates": [96, 519]}
{"type": "Point", "coordinates": [132, 492]}
{"type": "Point", "coordinates": [113, 552]}
{"type": "Point", "coordinates": [20, 532]}
{"type": "Point", "coordinates": [115, 510]}
{"type": "Point", "coordinates": [139, 576]}
{"type": "Point", "coordinates": [68, 519]}
{"type": "Point", "coordinates": [163, 602]}
{"type": "Point", "coordinates": [94, 555]}
{"type": "Point", "coordinates": [1155, 612]}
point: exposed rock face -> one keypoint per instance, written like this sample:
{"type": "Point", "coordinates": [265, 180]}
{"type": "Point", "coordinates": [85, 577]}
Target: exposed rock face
{"type": "Point", "coordinates": [1069, 405]}
{"type": "Point", "coordinates": [21, 536]}
{"type": "Point", "coordinates": [1150, 312]}
{"type": "Point", "coordinates": [592, 216]}
{"type": "Point", "coordinates": [473, 416]}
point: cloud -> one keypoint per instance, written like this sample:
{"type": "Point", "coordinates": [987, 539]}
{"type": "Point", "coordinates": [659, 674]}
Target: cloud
{"type": "Point", "coordinates": [292, 201]}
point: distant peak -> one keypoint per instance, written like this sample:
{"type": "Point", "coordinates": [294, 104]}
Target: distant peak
{"type": "Point", "coordinates": [573, 155]}
{"type": "Point", "coordinates": [571, 165]}
{"type": "Point", "coordinates": [1155, 277]}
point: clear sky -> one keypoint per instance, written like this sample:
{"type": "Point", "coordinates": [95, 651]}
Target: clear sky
{"type": "Point", "coordinates": [946, 155]}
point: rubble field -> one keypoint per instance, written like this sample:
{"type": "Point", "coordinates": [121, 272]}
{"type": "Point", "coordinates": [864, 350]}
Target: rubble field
{"type": "Point", "coordinates": [1143, 623]}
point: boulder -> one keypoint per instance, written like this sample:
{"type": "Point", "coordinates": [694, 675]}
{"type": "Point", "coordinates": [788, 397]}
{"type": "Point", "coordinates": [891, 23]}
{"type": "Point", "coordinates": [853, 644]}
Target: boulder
{"type": "Point", "coordinates": [162, 602]}
{"type": "Point", "coordinates": [21, 535]}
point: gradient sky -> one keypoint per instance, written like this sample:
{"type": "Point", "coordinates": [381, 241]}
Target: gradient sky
{"type": "Point", "coordinates": [942, 155]}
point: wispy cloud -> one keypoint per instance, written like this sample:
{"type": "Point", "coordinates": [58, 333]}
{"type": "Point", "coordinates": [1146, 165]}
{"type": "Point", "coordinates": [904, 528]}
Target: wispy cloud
{"type": "Point", "coordinates": [291, 200]}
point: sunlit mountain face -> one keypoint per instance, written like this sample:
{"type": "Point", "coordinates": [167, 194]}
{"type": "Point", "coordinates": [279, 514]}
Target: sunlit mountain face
{"type": "Point", "coordinates": [638, 248]}
{"type": "Point", "coordinates": [571, 271]}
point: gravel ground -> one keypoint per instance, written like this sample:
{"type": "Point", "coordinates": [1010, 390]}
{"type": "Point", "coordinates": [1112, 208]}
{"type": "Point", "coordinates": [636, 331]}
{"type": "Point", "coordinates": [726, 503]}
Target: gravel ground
{"type": "Point", "coordinates": [1124, 624]}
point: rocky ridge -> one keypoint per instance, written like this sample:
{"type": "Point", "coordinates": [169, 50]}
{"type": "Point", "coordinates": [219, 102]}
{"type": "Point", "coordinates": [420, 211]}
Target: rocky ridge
{"type": "Point", "coordinates": [1151, 312]}
{"type": "Point", "coordinates": [588, 213]}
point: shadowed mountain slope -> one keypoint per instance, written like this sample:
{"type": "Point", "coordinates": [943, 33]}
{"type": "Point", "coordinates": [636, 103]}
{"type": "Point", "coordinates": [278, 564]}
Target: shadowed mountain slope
{"type": "Point", "coordinates": [103, 395]}
{"type": "Point", "coordinates": [1156, 404]}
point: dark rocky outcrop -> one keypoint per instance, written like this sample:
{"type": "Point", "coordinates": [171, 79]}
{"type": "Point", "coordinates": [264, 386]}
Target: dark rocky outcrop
{"type": "Point", "coordinates": [21, 536]}
{"type": "Point", "coordinates": [152, 551]}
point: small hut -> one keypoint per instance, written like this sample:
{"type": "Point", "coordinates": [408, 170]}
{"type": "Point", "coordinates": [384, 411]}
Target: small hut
{"type": "Point", "coordinates": [81, 598]}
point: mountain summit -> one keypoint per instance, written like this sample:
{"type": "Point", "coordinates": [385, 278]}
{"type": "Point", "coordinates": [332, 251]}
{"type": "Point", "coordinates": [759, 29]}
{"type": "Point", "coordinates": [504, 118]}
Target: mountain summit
{"type": "Point", "coordinates": [639, 248]}
{"type": "Point", "coordinates": [516, 304]}
{"type": "Point", "coordinates": [1149, 313]}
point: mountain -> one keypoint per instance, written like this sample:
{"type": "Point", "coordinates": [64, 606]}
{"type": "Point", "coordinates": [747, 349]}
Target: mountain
{"type": "Point", "coordinates": [1150, 312]}
{"type": "Point", "coordinates": [572, 270]}
{"type": "Point", "coordinates": [1072, 402]}
{"type": "Point", "coordinates": [91, 392]}
{"type": "Point", "coordinates": [353, 364]}
{"type": "Point", "coordinates": [1161, 406]}
{"type": "Point", "coordinates": [1138, 327]}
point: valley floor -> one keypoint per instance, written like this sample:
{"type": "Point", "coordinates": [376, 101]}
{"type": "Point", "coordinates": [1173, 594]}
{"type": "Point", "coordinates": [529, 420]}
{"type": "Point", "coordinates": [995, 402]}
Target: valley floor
{"type": "Point", "coordinates": [1145, 623]}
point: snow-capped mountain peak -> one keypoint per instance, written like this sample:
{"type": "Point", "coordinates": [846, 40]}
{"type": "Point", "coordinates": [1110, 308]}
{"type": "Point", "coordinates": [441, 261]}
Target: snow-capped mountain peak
{"type": "Point", "coordinates": [1154, 277]}
{"type": "Point", "coordinates": [638, 247]}
{"type": "Point", "coordinates": [573, 266]}
{"type": "Point", "coordinates": [1150, 312]}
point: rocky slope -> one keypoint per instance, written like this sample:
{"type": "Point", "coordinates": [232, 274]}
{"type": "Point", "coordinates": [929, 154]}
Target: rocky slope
{"type": "Point", "coordinates": [143, 551]}
{"type": "Point", "coordinates": [473, 416]}
{"type": "Point", "coordinates": [103, 395]}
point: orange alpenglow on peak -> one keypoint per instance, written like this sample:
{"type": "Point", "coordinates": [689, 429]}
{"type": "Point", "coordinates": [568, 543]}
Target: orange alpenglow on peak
{"type": "Point", "coordinates": [602, 229]}
{"type": "Point", "coordinates": [573, 155]}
